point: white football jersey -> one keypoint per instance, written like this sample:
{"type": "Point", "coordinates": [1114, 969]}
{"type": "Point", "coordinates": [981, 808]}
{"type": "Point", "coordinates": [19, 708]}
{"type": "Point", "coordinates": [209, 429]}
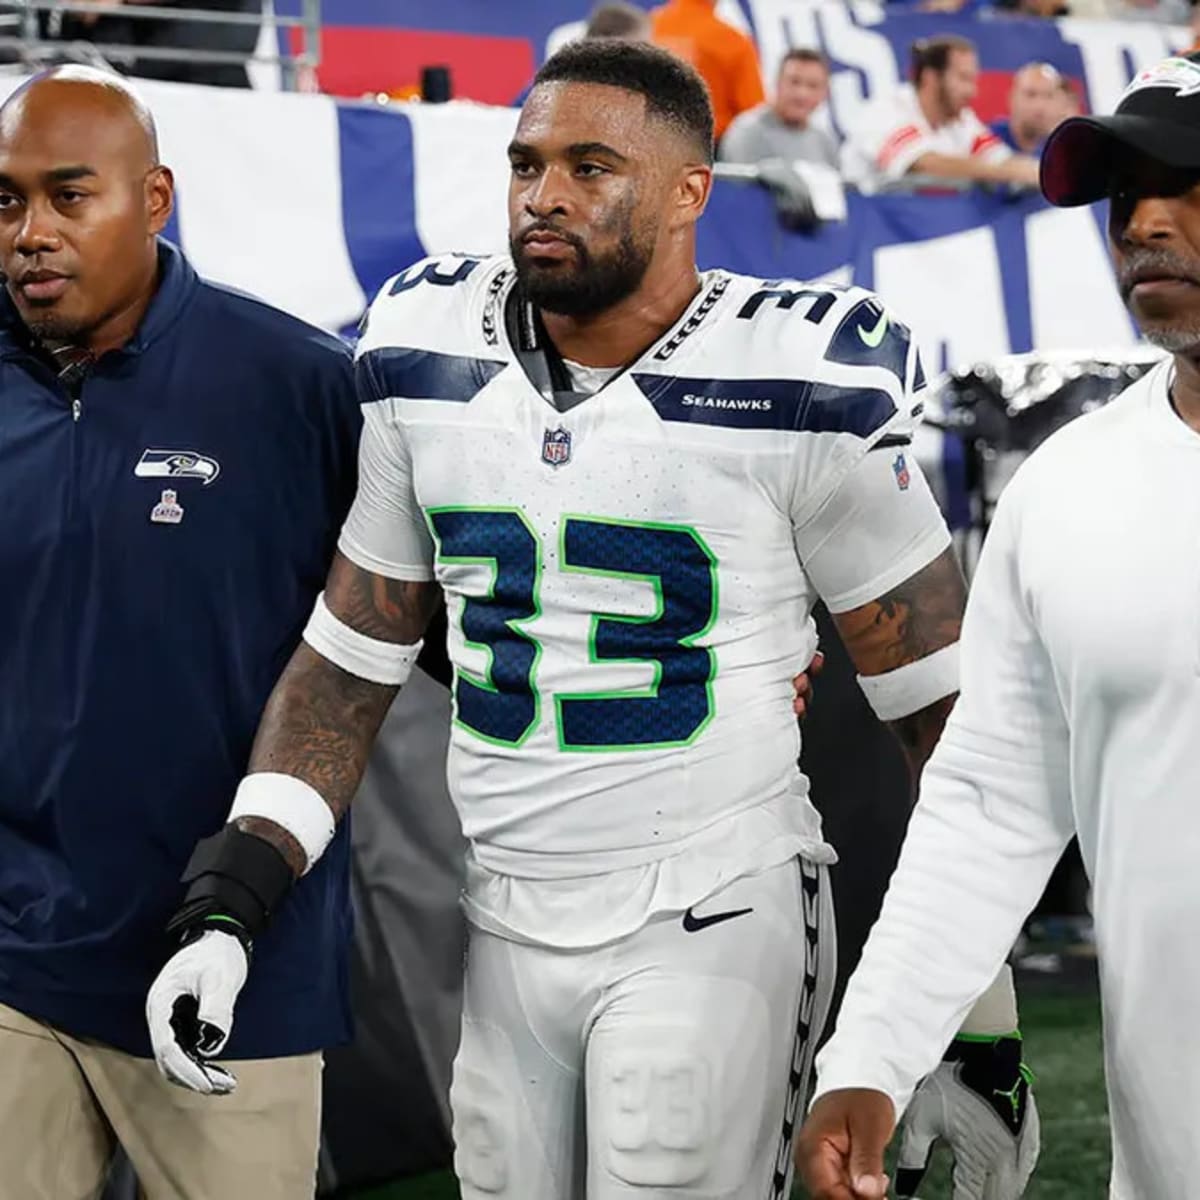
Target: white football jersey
{"type": "Point", "coordinates": [629, 583]}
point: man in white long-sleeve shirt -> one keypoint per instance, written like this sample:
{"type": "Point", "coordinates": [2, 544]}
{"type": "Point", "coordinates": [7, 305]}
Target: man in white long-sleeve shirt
{"type": "Point", "coordinates": [1078, 713]}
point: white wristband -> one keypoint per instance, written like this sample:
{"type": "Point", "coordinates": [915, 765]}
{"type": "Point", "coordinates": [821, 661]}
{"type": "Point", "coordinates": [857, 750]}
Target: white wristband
{"type": "Point", "coordinates": [995, 1012]}
{"type": "Point", "coordinates": [291, 803]}
{"type": "Point", "coordinates": [914, 686]}
{"type": "Point", "coordinates": [366, 657]}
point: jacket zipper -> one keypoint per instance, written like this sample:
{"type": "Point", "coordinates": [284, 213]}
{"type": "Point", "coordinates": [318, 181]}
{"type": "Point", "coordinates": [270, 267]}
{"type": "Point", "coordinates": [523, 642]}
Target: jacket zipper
{"type": "Point", "coordinates": [73, 482]}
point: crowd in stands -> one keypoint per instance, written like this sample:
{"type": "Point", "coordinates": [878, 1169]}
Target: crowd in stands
{"type": "Point", "coordinates": [1167, 12]}
{"type": "Point", "coordinates": [929, 129]}
{"type": "Point", "coordinates": [927, 135]}
{"type": "Point", "coordinates": [750, 128]}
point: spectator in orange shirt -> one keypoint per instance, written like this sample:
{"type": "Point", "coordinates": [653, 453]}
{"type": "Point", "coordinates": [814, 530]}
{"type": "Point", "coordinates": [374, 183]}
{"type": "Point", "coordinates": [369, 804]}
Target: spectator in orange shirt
{"type": "Point", "coordinates": [1194, 25]}
{"type": "Point", "coordinates": [725, 57]}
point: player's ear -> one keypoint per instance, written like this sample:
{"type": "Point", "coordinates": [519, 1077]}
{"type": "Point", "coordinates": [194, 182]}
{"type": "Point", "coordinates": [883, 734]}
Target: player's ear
{"type": "Point", "coordinates": [693, 191]}
{"type": "Point", "coordinates": [160, 198]}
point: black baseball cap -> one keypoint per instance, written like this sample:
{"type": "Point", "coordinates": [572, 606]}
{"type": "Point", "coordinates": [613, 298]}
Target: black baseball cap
{"type": "Point", "coordinates": [1158, 114]}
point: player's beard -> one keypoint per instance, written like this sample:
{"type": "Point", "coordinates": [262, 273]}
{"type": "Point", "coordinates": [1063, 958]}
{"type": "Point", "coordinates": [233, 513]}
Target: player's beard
{"type": "Point", "coordinates": [950, 108]}
{"type": "Point", "coordinates": [592, 283]}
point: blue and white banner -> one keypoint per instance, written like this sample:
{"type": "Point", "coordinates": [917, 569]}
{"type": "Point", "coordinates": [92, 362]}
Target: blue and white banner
{"type": "Point", "coordinates": [312, 203]}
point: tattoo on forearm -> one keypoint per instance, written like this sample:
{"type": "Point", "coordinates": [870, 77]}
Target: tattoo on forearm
{"type": "Point", "coordinates": [392, 610]}
{"type": "Point", "coordinates": [320, 721]}
{"type": "Point", "coordinates": [319, 725]}
{"type": "Point", "coordinates": [917, 617]}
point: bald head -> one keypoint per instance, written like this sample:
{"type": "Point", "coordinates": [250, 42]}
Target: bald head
{"type": "Point", "coordinates": [83, 198]}
{"type": "Point", "coordinates": [1037, 74]}
{"type": "Point", "coordinates": [85, 96]}
{"type": "Point", "coordinates": [1032, 104]}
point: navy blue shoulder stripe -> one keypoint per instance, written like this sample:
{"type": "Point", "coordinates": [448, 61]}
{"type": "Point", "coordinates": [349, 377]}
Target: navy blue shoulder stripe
{"type": "Point", "coordinates": [918, 375]}
{"type": "Point", "coordinates": [868, 337]}
{"type": "Point", "coordinates": [422, 375]}
{"type": "Point", "coordinates": [799, 405]}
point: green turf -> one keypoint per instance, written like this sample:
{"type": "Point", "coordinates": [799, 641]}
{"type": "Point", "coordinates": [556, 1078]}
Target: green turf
{"type": "Point", "coordinates": [1062, 1034]}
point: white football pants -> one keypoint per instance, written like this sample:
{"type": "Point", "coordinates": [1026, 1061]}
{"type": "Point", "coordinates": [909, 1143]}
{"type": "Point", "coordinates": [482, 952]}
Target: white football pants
{"type": "Point", "coordinates": [673, 1063]}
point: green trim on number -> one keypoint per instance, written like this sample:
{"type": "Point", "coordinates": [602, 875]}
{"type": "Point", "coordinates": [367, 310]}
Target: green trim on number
{"type": "Point", "coordinates": [485, 682]}
{"type": "Point", "coordinates": [652, 693]}
{"type": "Point", "coordinates": [987, 1038]}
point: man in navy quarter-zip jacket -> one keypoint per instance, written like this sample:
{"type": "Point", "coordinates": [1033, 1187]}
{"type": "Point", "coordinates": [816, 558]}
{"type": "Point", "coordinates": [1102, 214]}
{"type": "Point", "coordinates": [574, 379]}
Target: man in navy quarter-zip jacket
{"type": "Point", "coordinates": [175, 462]}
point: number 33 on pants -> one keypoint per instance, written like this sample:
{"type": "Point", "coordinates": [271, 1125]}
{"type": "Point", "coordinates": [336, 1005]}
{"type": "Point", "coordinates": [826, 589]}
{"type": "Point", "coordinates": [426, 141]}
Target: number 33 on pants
{"type": "Point", "coordinates": [503, 705]}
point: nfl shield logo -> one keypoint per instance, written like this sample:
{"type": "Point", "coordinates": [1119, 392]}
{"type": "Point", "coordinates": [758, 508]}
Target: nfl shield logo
{"type": "Point", "coordinates": [902, 475]}
{"type": "Point", "coordinates": [556, 447]}
{"type": "Point", "coordinates": [168, 511]}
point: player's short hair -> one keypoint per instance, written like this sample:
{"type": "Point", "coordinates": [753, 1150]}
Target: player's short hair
{"type": "Point", "coordinates": [933, 54]}
{"type": "Point", "coordinates": [673, 91]}
{"type": "Point", "coordinates": [619, 19]}
{"type": "Point", "coordinates": [806, 54]}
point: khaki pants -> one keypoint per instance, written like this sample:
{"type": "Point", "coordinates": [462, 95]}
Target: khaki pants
{"type": "Point", "coordinates": [65, 1103]}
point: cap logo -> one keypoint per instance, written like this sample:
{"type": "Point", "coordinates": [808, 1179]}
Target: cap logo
{"type": "Point", "coordinates": [1179, 74]}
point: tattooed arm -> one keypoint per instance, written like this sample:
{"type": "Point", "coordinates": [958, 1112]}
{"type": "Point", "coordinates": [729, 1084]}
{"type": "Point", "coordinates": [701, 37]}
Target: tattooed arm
{"type": "Point", "coordinates": [911, 621]}
{"type": "Point", "coordinates": [312, 743]}
{"type": "Point", "coordinates": [320, 720]}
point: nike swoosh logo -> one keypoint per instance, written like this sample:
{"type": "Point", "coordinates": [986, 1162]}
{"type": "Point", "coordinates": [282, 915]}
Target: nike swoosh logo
{"type": "Point", "coordinates": [693, 923]}
{"type": "Point", "coordinates": [872, 337]}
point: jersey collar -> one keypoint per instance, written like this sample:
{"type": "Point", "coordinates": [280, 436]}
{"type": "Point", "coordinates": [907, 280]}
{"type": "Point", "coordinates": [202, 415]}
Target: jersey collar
{"type": "Point", "coordinates": [713, 285]}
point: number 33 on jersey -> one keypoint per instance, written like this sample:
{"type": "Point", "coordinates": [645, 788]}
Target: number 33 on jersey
{"type": "Point", "coordinates": [630, 582]}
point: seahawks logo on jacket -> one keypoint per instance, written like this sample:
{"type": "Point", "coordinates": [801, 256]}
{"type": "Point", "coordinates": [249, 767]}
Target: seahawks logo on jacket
{"type": "Point", "coordinates": [177, 464]}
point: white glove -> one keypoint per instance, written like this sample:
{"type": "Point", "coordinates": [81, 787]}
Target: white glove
{"type": "Point", "coordinates": [190, 1011]}
{"type": "Point", "coordinates": [987, 1118]}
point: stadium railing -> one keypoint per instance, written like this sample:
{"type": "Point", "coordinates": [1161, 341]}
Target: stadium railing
{"type": "Point", "coordinates": [20, 34]}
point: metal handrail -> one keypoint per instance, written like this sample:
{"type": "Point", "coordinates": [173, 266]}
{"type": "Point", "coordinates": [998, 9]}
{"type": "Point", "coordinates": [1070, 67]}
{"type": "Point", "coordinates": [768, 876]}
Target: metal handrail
{"type": "Point", "coordinates": [154, 53]}
{"type": "Point", "coordinates": [749, 173]}
{"type": "Point", "coordinates": [30, 44]}
{"type": "Point", "coordinates": [154, 12]}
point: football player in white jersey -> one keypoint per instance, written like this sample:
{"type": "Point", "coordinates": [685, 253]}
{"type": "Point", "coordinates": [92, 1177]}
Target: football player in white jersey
{"type": "Point", "coordinates": [632, 481]}
{"type": "Point", "coordinates": [1079, 711]}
